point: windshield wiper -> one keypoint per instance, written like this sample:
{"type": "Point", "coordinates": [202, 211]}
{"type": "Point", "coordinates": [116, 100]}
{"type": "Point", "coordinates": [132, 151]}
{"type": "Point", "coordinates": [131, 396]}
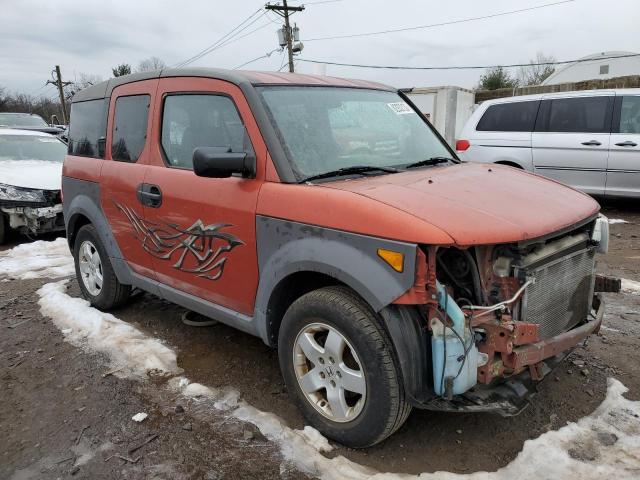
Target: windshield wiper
{"type": "Point", "coordinates": [349, 171]}
{"type": "Point", "coordinates": [430, 161]}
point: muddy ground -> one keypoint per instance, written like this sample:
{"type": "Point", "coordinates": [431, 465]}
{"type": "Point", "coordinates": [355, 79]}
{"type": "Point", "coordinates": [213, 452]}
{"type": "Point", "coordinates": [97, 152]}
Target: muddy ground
{"type": "Point", "coordinates": [62, 417]}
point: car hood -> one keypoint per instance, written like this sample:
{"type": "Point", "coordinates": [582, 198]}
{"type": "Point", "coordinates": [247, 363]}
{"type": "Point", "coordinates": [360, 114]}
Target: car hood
{"type": "Point", "coordinates": [31, 174]}
{"type": "Point", "coordinates": [479, 204]}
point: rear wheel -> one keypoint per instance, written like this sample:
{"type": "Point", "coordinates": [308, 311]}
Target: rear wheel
{"type": "Point", "coordinates": [339, 367]}
{"type": "Point", "coordinates": [94, 272]}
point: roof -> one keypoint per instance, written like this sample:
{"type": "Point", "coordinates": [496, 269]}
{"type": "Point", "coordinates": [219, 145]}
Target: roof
{"type": "Point", "coordinates": [567, 94]}
{"type": "Point", "coordinates": [238, 77]}
{"type": "Point", "coordinates": [17, 131]}
{"type": "Point", "coordinates": [20, 113]}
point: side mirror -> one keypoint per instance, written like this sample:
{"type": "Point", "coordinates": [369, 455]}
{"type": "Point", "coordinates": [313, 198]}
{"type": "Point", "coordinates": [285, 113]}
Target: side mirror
{"type": "Point", "coordinates": [221, 162]}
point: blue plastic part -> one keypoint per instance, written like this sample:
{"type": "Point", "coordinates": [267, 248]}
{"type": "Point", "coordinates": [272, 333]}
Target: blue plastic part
{"type": "Point", "coordinates": [450, 362]}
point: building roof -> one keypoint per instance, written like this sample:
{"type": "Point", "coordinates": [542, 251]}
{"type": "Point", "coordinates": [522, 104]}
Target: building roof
{"type": "Point", "coordinates": [239, 77]}
{"type": "Point", "coordinates": [609, 57]}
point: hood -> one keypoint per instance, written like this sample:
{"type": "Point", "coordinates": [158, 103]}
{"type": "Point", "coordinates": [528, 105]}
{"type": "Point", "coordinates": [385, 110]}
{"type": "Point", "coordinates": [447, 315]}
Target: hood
{"type": "Point", "coordinates": [31, 174]}
{"type": "Point", "coordinates": [479, 204]}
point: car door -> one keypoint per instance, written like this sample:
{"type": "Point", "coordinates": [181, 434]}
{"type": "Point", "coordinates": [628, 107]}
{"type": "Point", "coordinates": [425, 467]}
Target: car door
{"type": "Point", "coordinates": [124, 168]}
{"type": "Point", "coordinates": [205, 227]}
{"type": "Point", "coordinates": [623, 171]}
{"type": "Point", "coordinates": [570, 141]}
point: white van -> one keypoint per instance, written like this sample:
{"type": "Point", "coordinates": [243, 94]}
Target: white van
{"type": "Point", "coordinates": [589, 139]}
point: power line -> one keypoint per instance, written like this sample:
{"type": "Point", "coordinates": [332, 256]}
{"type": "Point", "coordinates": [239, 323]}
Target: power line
{"type": "Point", "coordinates": [233, 32]}
{"type": "Point", "coordinates": [471, 67]}
{"type": "Point", "coordinates": [257, 58]}
{"type": "Point", "coordinates": [433, 25]}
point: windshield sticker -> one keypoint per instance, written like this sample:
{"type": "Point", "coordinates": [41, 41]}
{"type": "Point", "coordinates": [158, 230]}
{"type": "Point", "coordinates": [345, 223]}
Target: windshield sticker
{"type": "Point", "coordinates": [400, 108]}
{"type": "Point", "coordinates": [48, 140]}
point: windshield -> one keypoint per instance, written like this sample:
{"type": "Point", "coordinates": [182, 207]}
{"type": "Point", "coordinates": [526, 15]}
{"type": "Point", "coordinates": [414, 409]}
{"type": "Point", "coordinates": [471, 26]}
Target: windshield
{"type": "Point", "coordinates": [324, 129]}
{"type": "Point", "coordinates": [32, 147]}
{"type": "Point", "coordinates": [21, 120]}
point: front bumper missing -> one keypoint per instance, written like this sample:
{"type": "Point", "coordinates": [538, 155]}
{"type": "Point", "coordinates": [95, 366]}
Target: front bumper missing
{"type": "Point", "coordinates": [35, 220]}
{"type": "Point", "coordinates": [510, 396]}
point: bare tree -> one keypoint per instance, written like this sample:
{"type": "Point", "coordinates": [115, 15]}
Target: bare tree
{"type": "Point", "coordinates": [82, 81]}
{"type": "Point", "coordinates": [20, 102]}
{"type": "Point", "coordinates": [122, 69]}
{"type": "Point", "coordinates": [538, 70]}
{"type": "Point", "coordinates": [151, 63]}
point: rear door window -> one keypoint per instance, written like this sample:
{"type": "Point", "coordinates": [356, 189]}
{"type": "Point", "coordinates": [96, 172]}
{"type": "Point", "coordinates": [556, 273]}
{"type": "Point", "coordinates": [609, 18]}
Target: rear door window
{"type": "Point", "coordinates": [190, 121]}
{"type": "Point", "coordinates": [629, 115]}
{"type": "Point", "coordinates": [130, 127]}
{"type": "Point", "coordinates": [509, 117]}
{"type": "Point", "coordinates": [88, 128]}
{"type": "Point", "coordinates": [577, 115]}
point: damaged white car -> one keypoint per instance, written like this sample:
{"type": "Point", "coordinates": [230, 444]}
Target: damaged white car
{"type": "Point", "coordinates": [30, 182]}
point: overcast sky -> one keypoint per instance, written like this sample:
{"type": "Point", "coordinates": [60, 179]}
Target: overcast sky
{"type": "Point", "coordinates": [87, 36]}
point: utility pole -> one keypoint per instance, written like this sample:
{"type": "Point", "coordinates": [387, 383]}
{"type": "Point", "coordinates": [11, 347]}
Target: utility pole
{"type": "Point", "coordinates": [60, 84]}
{"type": "Point", "coordinates": [283, 10]}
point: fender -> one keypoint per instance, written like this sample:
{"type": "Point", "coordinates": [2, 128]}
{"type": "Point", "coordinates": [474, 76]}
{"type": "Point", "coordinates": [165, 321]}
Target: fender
{"type": "Point", "coordinates": [85, 201]}
{"type": "Point", "coordinates": [286, 247]}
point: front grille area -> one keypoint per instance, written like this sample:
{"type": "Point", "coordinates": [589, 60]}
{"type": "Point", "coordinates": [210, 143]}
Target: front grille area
{"type": "Point", "coordinates": [560, 298]}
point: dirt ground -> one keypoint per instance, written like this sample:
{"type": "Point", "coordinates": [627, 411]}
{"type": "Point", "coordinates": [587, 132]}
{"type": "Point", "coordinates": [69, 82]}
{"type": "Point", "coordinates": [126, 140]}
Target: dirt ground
{"type": "Point", "coordinates": [61, 416]}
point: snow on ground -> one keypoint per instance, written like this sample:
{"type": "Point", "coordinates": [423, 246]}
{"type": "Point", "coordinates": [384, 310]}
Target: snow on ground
{"type": "Point", "coordinates": [39, 259]}
{"type": "Point", "coordinates": [613, 221]}
{"type": "Point", "coordinates": [605, 444]}
{"type": "Point", "coordinates": [128, 348]}
{"type": "Point", "coordinates": [630, 286]}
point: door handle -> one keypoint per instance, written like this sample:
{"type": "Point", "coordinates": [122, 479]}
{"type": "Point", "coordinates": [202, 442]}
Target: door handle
{"type": "Point", "coordinates": [628, 143]}
{"type": "Point", "coordinates": [592, 143]}
{"type": "Point", "coordinates": [149, 195]}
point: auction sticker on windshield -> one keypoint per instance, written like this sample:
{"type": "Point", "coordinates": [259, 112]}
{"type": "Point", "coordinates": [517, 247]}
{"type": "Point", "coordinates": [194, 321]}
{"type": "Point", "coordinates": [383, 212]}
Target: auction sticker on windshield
{"type": "Point", "coordinates": [400, 108]}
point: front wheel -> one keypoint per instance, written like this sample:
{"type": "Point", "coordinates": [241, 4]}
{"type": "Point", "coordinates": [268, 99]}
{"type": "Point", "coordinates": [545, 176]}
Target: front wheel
{"type": "Point", "coordinates": [339, 367]}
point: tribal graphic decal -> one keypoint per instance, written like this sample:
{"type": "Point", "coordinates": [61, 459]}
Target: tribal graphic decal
{"type": "Point", "coordinates": [198, 249]}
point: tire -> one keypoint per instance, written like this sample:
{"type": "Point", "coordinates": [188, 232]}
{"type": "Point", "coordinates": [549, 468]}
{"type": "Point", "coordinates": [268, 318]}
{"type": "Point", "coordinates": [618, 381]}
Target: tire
{"type": "Point", "coordinates": [111, 293]}
{"type": "Point", "coordinates": [371, 417]}
{"type": "Point", "coordinates": [4, 228]}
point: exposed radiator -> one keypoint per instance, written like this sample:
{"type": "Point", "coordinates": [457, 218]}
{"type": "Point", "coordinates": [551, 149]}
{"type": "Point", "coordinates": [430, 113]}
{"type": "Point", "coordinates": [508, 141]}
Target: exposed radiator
{"type": "Point", "coordinates": [560, 296]}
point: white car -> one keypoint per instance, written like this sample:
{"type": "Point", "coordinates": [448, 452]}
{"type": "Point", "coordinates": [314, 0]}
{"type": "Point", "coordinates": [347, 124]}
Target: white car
{"type": "Point", "coordinates": [589, 140]}
{"type": "Point", "coordinates": [30, 182]}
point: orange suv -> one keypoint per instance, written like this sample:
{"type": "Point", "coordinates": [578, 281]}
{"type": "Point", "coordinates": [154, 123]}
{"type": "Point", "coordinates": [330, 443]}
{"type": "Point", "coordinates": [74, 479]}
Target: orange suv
{"type": "Point", "coordinates": [327, 217]}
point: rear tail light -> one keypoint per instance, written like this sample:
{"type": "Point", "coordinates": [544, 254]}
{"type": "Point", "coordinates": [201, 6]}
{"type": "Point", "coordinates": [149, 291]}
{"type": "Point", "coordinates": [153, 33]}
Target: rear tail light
{"type": "Point", "coordinates": [462, 145]}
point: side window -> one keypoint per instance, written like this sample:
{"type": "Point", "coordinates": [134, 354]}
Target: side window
{"type": "Point", "coordinates": [579, 115]}
{"type": "Point", "coordinates": [130, 127]}
{"type": "Point", "coordinates": [88, 128]}
{"type": "Point", "coordinates": [509, 117]}
{"type": "Point", "coordinates": [630, 115]}
{"type": "Point", "coordinates": [190, 121]}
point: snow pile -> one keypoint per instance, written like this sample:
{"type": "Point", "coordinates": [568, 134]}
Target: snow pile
{"type": "Point", "coordinates": [84, 326]}
{"type": "Point", "coordinates": [613, 221]}
{"type": "Point", "coordinates": [630, 286]}
{"type": "Point", "coordinates": [39, 259]}
{"type": "Point", "coordinates": [605, 444]}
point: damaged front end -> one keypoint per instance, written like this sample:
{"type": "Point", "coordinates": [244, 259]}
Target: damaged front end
{"type": "Point", "coordinates": [31, 211]}
{"type": "Point", "coordinates": [501, 317]}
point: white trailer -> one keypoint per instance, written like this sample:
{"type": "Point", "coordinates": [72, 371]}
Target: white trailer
{"type": "Point", "coordinates": [447, 108]}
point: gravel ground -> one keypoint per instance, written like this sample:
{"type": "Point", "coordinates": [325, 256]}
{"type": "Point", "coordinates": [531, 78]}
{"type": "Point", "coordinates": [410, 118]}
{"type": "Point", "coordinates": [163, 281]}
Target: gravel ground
{"type": "Point", "coordinates": [63, 417]}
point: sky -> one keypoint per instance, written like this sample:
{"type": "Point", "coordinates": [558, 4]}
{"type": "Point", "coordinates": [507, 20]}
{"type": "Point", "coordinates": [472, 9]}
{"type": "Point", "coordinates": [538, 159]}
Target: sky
{"type": "Point", "coordinates": [90, 37]}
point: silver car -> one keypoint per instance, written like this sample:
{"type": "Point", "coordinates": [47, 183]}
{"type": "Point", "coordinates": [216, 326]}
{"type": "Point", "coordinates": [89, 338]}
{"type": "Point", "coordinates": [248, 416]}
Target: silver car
{"type": "Point", "coordinates": [589, 140]}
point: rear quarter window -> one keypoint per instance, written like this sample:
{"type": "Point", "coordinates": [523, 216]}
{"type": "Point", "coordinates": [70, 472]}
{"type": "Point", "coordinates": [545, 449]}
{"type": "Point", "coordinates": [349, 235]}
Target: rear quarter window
{"type": "Point", "coordinates": [88, 128]}
{"type": "Point", "coordinates": [130, 127]}
{"type": "Point", "coordinates": [509, 117]}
